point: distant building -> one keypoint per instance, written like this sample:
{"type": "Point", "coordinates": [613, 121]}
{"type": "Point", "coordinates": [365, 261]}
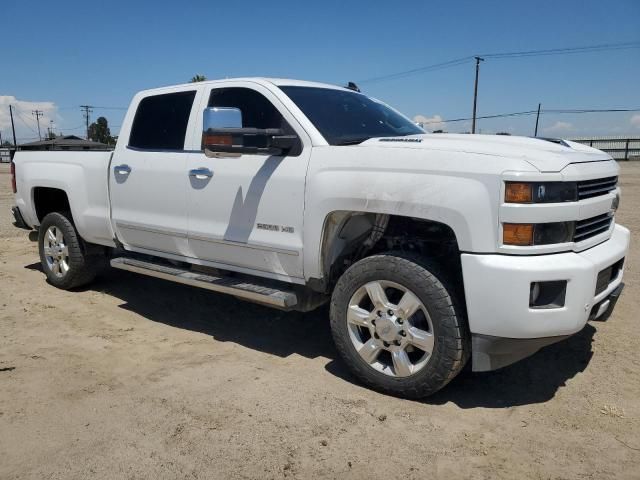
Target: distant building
{"type": "Point", "coordinates": [5, 154]}
{"type": "Point", "coordinates": [65, 142]}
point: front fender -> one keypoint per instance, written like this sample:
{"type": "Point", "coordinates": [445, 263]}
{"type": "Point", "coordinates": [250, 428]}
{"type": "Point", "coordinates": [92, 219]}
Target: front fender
{"type": "Point", "coordinates": [467, 204]}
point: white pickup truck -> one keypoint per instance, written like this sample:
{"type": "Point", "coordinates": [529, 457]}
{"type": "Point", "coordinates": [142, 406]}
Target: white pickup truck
{"type": "Point", "coordinates": [431, 249]}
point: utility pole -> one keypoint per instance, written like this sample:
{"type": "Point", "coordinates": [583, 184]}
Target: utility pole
{"type": "Point", "coordinates": [38, 114]}
{"type": "Point", "coordinates": [87, 110]}
{"type": "Point", "coordinates": [535, 133]}
{"type": "Point", "coordinates": [475, 94]}
{"type": "Point", "coordinates": [13, 127]}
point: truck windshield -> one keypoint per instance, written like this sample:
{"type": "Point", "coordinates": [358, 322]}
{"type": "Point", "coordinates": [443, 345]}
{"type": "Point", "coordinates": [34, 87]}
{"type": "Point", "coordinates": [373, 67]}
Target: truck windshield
{"type": "Point", "coordinates": [348, 118]}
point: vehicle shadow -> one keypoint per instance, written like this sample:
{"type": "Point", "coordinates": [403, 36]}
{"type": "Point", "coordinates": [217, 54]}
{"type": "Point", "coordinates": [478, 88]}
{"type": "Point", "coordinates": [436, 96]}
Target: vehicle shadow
{"type": "Point", "coordinates": [226, 319]}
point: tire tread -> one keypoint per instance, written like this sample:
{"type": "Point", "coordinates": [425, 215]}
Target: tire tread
{"type": "Point", "coordinates": [453, 336]}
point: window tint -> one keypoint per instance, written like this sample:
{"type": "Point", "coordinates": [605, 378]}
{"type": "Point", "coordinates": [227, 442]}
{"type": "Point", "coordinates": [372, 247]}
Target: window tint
{"type": "Point", "coordinates": [257, 111]}
{"type": "Point", "coordinates": [161, 121]}
{"type": "Point", "coordinates": [345, 117]}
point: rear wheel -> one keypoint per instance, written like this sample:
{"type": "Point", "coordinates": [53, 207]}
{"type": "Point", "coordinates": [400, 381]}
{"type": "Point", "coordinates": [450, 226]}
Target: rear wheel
{"type": "Point", "coordinates": [397, 327]}
{"type": "Point", "coordinates": [63, 254]}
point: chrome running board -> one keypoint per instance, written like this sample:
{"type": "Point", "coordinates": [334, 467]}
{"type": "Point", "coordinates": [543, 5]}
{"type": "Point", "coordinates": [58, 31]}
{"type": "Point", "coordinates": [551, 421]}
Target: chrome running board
{"type": "Point", "coordinates": [238, 287]}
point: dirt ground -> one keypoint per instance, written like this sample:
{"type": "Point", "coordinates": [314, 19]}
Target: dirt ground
{"type": "Point", "coordinates": [136, 377]}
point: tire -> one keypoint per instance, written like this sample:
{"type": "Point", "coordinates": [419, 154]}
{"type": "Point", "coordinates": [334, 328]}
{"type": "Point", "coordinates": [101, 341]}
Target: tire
{"type": "Point", "coordinates": [436, 340]}
{"type": "Point", "coordinates": [64, 259]}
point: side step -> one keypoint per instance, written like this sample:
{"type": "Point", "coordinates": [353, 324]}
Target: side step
{"type": "Point", "coordinates": [237, 287]}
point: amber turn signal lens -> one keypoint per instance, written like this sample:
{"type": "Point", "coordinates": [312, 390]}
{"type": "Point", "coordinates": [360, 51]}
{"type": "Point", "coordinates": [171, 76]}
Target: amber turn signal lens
{"type": "Point", "coordinates": [518, 193]}
{"type": "Point", "coordinates": [517, 234]}
{"type": "Point", "coordinates": [217, 139]}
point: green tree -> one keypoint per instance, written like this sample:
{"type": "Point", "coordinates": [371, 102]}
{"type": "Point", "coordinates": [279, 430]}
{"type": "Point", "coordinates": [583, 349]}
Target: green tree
{"type": "Point", "coordinates": [197, 78]}
{"type": "Point", "coordinates": [99, 131]}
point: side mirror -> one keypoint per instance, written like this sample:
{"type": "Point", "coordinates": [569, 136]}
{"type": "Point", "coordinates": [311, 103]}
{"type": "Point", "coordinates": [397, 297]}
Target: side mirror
{"type": "Point", "coordinates": [223, 136]}
{"type": "Point", "coordinates": [221, 117]}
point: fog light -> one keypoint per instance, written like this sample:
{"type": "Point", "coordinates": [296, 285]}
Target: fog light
{"type": "Point", "coordinates": [534, 293]}
{"type": "Point", "coordinates": [547, 294]}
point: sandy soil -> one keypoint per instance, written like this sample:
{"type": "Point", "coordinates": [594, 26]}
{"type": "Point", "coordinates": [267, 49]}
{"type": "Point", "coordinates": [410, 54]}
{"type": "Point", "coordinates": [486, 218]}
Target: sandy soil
{"type": "Point", "coordinates": [139, 378]}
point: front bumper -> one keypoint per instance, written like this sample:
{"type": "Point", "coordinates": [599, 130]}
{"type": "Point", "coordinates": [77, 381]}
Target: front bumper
{"type": "Point", "coordinates": [18, 221]}
{"type": "Point", "coordinates": [497, 289]}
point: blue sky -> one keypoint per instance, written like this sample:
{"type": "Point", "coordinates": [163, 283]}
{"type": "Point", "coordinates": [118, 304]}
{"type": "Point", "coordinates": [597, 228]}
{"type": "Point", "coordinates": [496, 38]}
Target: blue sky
{"type": "Point", "coordinates": [101, 53]}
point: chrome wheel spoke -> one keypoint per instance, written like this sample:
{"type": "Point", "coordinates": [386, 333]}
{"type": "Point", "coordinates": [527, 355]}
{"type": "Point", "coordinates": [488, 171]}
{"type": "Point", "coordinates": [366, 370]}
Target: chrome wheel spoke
{"type": "Point", "coordinates": [409, 304]}
{"type": "Point", "coordinates": [401, 363]}
{"type": "Point", "coordinates": [421, 339]}
{"type": "Point", "coordinates": [390, 328]}
{"type": "Point", "coordinates": [59, 237]}
{"type": "Point", "coordinates": [51, 236]}
{"type": "Point", "coordinates": [370, 350]}
{"type": "Point", "coordinates": [64, 266]}
{"type": "Point", "coordinates": [65, 250]}
{"type": "Point", "coordinates": [377, 295]}
{"type": "Point", "coordinates": [55, 268]}
{"type": "Point", "coordinates": [48, 252]}
{"type": "Point", "coordinates": [358, 316]}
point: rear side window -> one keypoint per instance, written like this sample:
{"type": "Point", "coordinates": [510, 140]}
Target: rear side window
{"type": "Point", "coordinates": [161, 121]}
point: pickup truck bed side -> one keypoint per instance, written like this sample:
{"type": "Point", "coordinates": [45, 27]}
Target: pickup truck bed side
{"type": "Point", "coordinates": [82, 176]}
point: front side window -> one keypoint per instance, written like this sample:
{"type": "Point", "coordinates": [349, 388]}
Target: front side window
{"type": "Point", "coordinates": [345, 117]}
{"type": "Point", "coordinates": [161, 121]}
{"type": "Point", "coordinates": [257, 111]}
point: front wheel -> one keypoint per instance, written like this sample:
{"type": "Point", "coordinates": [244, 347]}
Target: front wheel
{"type": "Point", "coordinates": [397, 327]}
{"type": "Point", "coordinates": [63, 254]}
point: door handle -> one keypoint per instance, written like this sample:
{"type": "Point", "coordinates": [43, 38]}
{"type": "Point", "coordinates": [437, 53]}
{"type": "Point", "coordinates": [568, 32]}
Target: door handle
{"type": "Point", "coordinates": [122, 169]}
{"type": "Point", "coordinates": [201, 173]}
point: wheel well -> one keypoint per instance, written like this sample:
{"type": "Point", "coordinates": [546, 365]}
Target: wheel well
{"type": "Point", "coordinates": [351, 236]}
{"type": "Point", "coordinates": [47, 200]}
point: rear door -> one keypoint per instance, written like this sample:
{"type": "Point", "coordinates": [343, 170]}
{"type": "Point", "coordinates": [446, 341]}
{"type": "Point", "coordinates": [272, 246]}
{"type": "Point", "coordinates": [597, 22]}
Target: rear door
{"type": "Point", "coordinates": [148, 177]}
{"type": "Point", "coordinates": [248, 211]}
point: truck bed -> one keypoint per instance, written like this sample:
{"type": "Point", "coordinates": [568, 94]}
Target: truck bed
{"type": "Point", "coordinates": [84, 178]}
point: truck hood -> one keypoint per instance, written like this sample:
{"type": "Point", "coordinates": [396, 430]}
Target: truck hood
{"type": "Point", "coordinates": [547, 155]}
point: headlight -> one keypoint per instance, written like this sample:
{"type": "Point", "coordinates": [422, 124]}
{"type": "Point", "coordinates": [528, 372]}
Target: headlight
{"type": "Point", "coordinates": [527, 234]}
{"type": "Point", "coordinates": [540, 192]}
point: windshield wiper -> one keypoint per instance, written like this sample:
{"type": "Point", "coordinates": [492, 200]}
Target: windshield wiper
{"type": "Point", "coordinates": [352, 141]}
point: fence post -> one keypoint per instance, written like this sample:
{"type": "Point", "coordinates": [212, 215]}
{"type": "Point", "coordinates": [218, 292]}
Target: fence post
{"type": "Point", "coordinates": [591, 143]}
{"type": "Point", "coordinates": [626, 149]}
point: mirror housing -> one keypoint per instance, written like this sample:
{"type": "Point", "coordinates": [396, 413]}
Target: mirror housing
{"type": "Point", "coordinates": [223, 135]}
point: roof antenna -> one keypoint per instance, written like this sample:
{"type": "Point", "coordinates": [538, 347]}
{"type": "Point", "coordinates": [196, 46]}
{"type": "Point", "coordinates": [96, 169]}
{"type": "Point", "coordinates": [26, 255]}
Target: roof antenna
{"type": "Point", "coordinates": [353, 86]}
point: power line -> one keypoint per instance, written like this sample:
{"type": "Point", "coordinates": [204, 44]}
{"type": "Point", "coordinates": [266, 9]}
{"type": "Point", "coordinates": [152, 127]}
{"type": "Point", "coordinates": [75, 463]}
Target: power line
{"type": "Point", "coordinates": [533, 112]}
{"type": "Point", "coordinates": [24, 122]}
{"type": "Point", "coordinates": [94, 107]}
{"type": "Point", "coordinates": [428, 68]}
{"type": "Point", "coordinates": [112, 108]}
{"type": "Point", "coordinates": [498, 55]}
{"type": "Point", "coordinates": [564, 51]}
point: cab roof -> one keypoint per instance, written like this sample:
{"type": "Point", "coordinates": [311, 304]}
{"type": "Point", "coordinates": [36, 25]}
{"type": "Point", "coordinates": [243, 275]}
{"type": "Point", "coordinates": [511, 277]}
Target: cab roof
{"type": "Point", "coordinates": [280, 82]}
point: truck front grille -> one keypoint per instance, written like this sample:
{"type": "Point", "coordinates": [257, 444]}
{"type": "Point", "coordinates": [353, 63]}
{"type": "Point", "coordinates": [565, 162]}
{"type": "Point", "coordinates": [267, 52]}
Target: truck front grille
{"type": "Point", "coordinates": [590, 227]}
{"type": "Point", "coordinates": [596, 187]}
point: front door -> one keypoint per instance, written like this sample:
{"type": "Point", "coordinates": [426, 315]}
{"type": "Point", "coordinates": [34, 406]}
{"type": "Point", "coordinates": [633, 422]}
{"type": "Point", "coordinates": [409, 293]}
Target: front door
{"type": "Point", "coordinates": [247, 211]}
{"type": "Point", "coordinates": [148, 179]}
